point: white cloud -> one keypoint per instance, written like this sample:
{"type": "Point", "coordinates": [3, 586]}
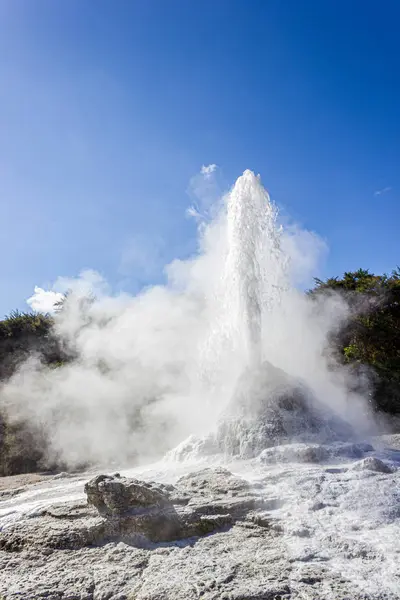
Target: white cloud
{"type": "Point", "coordinates": [383, 191]}
{"type": "Point", "coordinates": [208, 170]}
{"type": "Point", "coordinates": [88, 283]}
{"type": "Point", "coordinates": [44, 301]}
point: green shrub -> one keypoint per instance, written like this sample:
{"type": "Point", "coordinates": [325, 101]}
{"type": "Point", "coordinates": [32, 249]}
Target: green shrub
{"type": "Point", "coordinates": [372, 335]}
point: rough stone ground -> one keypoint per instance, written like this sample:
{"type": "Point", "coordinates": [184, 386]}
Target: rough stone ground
{"type": "Point", "coordinates": [302, 529]}
{"type": "Point", "coordinates": [15, 482]}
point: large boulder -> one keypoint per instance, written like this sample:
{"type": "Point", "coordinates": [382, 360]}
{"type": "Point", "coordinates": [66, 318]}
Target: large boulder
{"type": "Point", "coordinates": [200, 503]}
{"type": "Point", "coordinates": [115, 495]}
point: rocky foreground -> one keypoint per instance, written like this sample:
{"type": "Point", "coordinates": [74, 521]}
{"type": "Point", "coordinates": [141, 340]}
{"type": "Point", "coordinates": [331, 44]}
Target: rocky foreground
{"type": "Point", "coordinates": [304, 522]}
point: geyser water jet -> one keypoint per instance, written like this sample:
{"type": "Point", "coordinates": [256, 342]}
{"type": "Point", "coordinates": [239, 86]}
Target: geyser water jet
{"type": "Point", "coordinates": [255, 267]}
{"type": "Point", "coordinates": [250, 278]}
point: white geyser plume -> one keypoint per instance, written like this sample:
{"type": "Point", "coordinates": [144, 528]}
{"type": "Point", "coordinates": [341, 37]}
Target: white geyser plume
{"type": "Point", "coordinates": [147, 371]}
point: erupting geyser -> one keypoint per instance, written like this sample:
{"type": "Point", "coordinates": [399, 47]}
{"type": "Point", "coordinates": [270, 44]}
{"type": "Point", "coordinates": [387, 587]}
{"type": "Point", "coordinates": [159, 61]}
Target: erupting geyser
{"type": "Point", "coordinates": [266, 405]}
{"type": "Point", "coordinates": [228, 347]}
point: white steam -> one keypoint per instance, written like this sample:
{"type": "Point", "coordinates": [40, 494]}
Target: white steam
{"type": "Point", "coordinates": [44, 301]}
{"type": "Point", "coordinates": [153, 368]}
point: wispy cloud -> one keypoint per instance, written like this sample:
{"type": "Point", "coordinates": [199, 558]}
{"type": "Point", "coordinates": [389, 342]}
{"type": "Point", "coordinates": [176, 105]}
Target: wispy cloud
{"type": "Point", "coordinates": [383, 191]}
{"type": "Point", "coordinates": [207, 170]}
{"type": "Point", "coordinates": [204, 190]}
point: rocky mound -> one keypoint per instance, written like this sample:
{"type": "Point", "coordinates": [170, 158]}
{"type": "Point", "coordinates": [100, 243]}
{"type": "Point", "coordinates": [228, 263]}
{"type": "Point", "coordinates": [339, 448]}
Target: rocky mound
{"type": "Point", "coordinates": [269, 408]}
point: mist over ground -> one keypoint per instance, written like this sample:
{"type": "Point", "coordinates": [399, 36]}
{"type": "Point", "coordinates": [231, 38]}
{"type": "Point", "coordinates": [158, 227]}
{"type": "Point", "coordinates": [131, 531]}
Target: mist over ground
{"type": "Point", "coordinates": [149, 370]}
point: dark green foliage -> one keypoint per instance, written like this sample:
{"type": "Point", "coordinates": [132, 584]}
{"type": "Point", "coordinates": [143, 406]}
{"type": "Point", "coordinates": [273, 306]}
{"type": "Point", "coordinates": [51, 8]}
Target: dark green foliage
{"type": "Point", "coordinates": [372, 335]}
{"type": "Point", "coordinates": [22, 334]}
{"type": "Point", "coordinates": [22, 448]}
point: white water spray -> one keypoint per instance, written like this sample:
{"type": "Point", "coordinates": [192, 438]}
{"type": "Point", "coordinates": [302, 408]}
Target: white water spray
{"type": "Point", "coordinates": [154, 368]}
{"type": "Point", "coordinates": [250, 279]}
{"type": "Point", "coordinates": [254, 274]}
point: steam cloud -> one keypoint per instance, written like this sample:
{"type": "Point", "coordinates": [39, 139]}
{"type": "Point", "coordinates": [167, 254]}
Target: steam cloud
{"type": "Point", "coordinates": [153, 368]}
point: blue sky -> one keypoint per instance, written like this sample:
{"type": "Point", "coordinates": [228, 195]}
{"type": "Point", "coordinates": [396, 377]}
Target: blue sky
{"type": "Point", "coordinates": [108, 109]}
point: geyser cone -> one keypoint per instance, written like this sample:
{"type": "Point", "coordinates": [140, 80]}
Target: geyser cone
{"type": "Point", "coordinates": [269, 407]}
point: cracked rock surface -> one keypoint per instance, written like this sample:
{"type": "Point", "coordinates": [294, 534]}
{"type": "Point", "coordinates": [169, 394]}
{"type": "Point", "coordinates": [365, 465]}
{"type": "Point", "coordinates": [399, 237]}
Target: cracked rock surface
{"type": "Point", "coordinates": [263, 530]}
{"type": "Point", "coordinates": [138, 512]}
